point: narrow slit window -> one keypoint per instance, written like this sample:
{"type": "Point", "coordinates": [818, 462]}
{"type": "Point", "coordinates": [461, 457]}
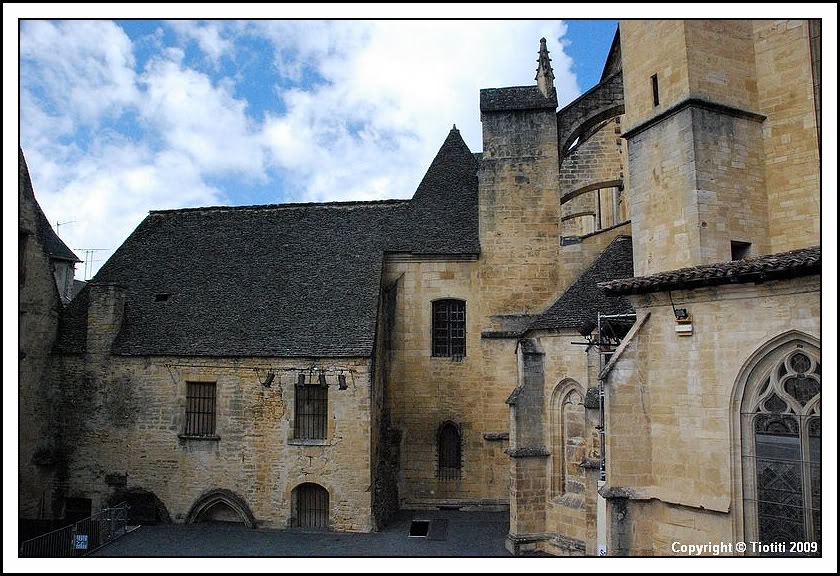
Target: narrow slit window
{"type": "Point", "coordinates": [449, 452]}
{"type": "Point", "coordinates": [654, 84]}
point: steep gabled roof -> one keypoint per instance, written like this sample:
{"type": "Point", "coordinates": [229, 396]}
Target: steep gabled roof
{"type": "Point", "coordinates": [56, 249]}
{"type": "Point", "coordinates": [444, 209]}
{"type": "Point", "coordinates": [803, 262]}
{"type": "Point", "coordinates": [584, 299]}
{"type": "Point", "coordinates": [277, 280]}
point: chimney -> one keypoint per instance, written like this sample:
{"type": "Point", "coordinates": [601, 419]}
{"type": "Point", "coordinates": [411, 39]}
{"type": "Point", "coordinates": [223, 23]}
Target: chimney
{"type": "Point", "coordinates": [105, 315]}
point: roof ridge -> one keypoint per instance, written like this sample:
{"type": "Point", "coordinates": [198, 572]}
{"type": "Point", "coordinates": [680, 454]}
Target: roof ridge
{"type": "Point", "coordinates": [292, 205]}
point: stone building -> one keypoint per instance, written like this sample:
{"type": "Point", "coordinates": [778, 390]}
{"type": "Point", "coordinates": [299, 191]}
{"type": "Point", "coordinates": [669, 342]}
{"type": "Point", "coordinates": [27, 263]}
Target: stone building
{"type": "Point", "coordinates": [607, 322]}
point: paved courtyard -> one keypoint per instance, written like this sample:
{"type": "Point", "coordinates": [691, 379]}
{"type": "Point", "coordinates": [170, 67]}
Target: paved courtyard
{"type": "Point", "coordinates": [453, 533]}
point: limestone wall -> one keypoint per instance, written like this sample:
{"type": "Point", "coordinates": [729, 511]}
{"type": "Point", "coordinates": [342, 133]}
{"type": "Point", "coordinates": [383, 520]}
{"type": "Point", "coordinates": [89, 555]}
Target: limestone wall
{"type": "Point", "coordinates": [38, 308]}
{"type": "Point", "coordinates": [426, 391]}
{"type": "Point", "coordinates": [519, 211]}
{"type": "Point", "coordinates": [791, 145]}
{"type": "Point", "coordinates": [669, 405]}
{"type": "Point", "coordinates": [125, 418]}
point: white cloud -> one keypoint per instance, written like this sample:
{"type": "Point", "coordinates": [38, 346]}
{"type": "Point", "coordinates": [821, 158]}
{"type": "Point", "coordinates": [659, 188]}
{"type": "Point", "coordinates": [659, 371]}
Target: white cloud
{"type": "Point", "coordinates": [392, 90]}
{"type": "Point", "coordinates": [199, 119]}
{"type": "Point", "coordinates": [85, 68]}
{"type": "Point", "coordinates": [207, 34]}
{"type": "Point", "coordinates": [384, 97]}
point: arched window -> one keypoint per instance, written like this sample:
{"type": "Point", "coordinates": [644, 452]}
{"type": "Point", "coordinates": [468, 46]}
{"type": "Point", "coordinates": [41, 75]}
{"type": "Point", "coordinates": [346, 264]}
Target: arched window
{"type": "Point", "coordinates": [567, 439]}
{"type": "Point", "coordinates": [312, 506]}
{"type": "Point", "coordinates": [449, 452]}
{"type": "Point", "coordinates": [781, 444]}
{"type": "Point", "coordinates": [449, 319]}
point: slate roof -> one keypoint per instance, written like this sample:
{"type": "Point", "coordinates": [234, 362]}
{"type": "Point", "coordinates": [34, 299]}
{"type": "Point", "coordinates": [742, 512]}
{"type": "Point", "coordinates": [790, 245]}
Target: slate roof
{"type": "Point", "coordinates": [54, 246]}
{"type": "Point", "coordinates": [791, 264]}
{"type": "Point", "coordinates": [515, 98]}
{"type": "Point", "coordinates": [277, 280]}
{"type": "Point", "coordinates": [584, 299]}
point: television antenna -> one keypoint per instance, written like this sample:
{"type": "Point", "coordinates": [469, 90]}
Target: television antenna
{"type": "Point", "coordinates": [58, 226]}
{"type": "Point", "coordinates": [90, 260]}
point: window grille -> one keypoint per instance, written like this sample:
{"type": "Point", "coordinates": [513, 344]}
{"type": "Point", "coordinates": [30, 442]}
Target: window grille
{"type": "Point", "coordinates": [313, 506]}
{"type": "Point", "coordinates": [310, 411]}
{"type": "Point", "coordinates": [449, 328]}
{"type": "Point", "coordinates": [782, 453]}
{"type": "Point", "coordinates": [449, 452]}
{"type": "Point", "coordinates": [201, 409]}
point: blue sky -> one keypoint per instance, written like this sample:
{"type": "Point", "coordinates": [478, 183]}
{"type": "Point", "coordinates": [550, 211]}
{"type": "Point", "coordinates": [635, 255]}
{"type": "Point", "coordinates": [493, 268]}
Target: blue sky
{"type": "Point", "coordinates": [122, 117]}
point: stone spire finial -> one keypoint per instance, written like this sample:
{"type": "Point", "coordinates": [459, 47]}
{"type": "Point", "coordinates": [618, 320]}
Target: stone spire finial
{"type": "Point", "coordinates": [545, 75]}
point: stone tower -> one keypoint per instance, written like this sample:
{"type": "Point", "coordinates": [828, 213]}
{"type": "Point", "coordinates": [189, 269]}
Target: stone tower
{"type": "Point", "coordinates": [722, 140]}
{"type": "Point", "coordinates": [518, 195]}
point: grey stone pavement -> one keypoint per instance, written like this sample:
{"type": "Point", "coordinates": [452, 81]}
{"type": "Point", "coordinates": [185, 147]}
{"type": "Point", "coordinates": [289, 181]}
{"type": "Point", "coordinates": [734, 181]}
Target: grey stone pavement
{"type": "Point", "coordinates": [466, 534]}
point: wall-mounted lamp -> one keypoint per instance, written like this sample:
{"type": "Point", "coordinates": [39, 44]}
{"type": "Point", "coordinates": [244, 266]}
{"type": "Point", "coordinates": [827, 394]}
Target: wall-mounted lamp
{"type": "Point", "coordinates": [342, 382]}
{"type": "Point", "coordinates": [322, 379]}
{"type": "Point", "coordinates": [269, 378]}
{"type": "Point", "coordinates": [681, 313]}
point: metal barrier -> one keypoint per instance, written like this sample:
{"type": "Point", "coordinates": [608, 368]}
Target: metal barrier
{"type": "Point", "coordinates": [81, 538]}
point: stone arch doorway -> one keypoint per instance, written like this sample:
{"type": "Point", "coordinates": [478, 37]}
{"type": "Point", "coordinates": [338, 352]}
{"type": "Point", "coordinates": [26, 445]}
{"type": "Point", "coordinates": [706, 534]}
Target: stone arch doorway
{"type": "Point", "coordinates": [311, 506]}
{"type": "Point", "coordinates": [221, 506]}
{"type": "Point", "coordinates": [145, 508]}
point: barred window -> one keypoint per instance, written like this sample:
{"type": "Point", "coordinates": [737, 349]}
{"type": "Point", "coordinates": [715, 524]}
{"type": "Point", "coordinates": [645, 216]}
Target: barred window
{"type": "Point", "coordinates": [201, 409]}
{"type": "Point", "coordinates": [310, 410]}
{"type": "Point", "coordinates": [448, 328]}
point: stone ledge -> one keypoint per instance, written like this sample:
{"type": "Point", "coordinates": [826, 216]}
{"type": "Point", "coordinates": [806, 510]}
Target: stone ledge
{"type": "Point", "coordinates": [213, 438]}
{"type": "Point", "coordinates": [307, 442]}
{"type": "Point", "coordinates": [527, 452]}
{"type": "Point", "coordinates": [496, 436]}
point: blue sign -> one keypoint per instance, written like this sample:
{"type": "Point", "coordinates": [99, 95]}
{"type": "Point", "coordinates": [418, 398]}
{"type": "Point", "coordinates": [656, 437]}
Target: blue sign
{"type": "Point", "coordinates": [81, 541]}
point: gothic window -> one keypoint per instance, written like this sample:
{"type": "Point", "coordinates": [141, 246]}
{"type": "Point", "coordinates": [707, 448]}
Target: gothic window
{"type": "Point", "coordinates": [449, 328]}
{"type": "Point", "coordinates": [567, 439]}
{"type": "Point", "coordinates": [449, 452]}
{"type": "Point", "coordinates": [781, 432]}
{"type": "Point", "coordinates": [310, 409]}
{"type": "Point", "coordinates": [201, 409]}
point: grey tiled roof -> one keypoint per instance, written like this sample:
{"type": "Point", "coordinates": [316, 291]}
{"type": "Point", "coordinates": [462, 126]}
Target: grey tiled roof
{"type": "Point", "coordinates": [54, 246]}
{"type": "Point", "coordinates": [801, 262]}
{"type": "Point", "coordinates": [515, 98]}
{"type": "Point", "coordinates": [277, 280]}
{"type": "Point", "coordinates": [582, 302]}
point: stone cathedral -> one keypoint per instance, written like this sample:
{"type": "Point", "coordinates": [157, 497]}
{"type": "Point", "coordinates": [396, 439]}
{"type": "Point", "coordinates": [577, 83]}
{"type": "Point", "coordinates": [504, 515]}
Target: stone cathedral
{"type": "Point", "coordinates": [606, 321]}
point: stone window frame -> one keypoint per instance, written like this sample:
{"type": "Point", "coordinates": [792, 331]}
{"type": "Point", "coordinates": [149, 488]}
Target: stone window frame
{"type": "Point", "coordinates": [321, 384]}
{"type": "Point", "coordinates": [559, 398]}
{"type": "Point", "coordinates": [749, 390]}
{"type": "Point", "coordinates": [185, 386]}
{"type": "Point", "coordinates": [434, 326]}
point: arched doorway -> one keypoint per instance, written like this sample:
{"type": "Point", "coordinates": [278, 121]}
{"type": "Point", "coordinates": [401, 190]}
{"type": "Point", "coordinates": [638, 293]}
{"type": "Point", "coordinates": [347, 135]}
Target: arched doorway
{"type": "Point", "coordinates": [144, 507]}
{"type": "Point", "coordinates": [221, 506]}
{"type": "Point", "coordinates": [780, 441]}
{"type": "Point", "coordinates": [311, 507]}
{"type": "Point", "coordinates": [449, 451]}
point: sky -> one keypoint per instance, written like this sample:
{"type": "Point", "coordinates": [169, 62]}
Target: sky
{"type": "Point", "coordinates": [121, 117]}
